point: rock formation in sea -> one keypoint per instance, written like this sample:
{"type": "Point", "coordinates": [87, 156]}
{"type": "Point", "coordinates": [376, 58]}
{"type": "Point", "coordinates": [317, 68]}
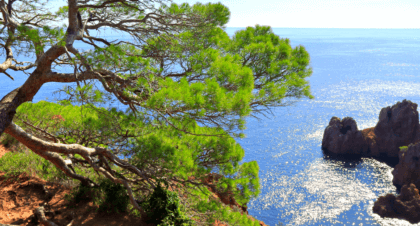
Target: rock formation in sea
{"type": "Point", "coordinates": [405, 206]}
{"type": "Point", "coordinates": [407, 170]}
{"type": "Point", "coordinates": [343, 137]}
{"type": "Point", "coordinates": [397, 126]}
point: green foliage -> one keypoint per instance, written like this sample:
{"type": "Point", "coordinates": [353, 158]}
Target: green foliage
{"type": "Point", "coordinates": [187, 119]}
{"type": "Point", "coordinates": [181, 153]}
{"type": "Point", "coordinates": [278, 69]}
{"type": "Point", "coordinates": [14, 163]}
{"type": "Point", "coordinates": [216, 14]}
{"type": "Point", "coordinates": [22, 162]}
{"type": "Point", "coordinates": [163, 208]}
{"type": "Point", "coordinates": [187, 155]}
{"type": "Point", "coordinates": [26, 161]}
{"type": "Point", "coordinates": [110, 197]}
{"type": "Point", "coordinates": [116, 198]}
{"type": "Point", "coordinates": [403, 148]}
{"type": "Point", "coordinates": [121, 55]}
{"type": "Point", "coordinates": [86, 119]}
{"type": "Point", "coordinates": [82, 193]}
{"type": "Point", "coordinates": [40, 37]}
{"type": "Point", "coordinates": [224, 213]}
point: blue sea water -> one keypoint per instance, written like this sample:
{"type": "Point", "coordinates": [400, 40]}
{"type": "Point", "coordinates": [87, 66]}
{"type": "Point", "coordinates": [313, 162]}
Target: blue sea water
{"type": "Point", "coordinates": [356, 72]}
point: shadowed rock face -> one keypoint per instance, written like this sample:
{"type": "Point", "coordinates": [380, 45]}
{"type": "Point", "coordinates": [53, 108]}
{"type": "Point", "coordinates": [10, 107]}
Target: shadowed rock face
{"type": "Point", "coordinates": [405, 206]}
{"type": "Point", "coordinates": [407, 170]}
{"type": "Point", "coordinates": [342, 137]}
{"type": "Point", "coordinates": [397, 126]}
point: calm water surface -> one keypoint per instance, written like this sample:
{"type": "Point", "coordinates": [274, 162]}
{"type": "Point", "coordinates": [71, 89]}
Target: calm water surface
{"type": "Point", "coordinates": [356, 72]}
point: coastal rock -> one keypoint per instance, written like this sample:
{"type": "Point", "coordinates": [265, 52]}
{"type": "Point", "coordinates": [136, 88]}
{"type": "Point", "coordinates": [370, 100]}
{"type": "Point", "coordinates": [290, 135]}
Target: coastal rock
{"type": "Point", "coordinates": [343, 137]}
{"type": "Point", "coordinates": [397, 126]}
{"type": "Point", "coordinates": [370, 139]}
{"type": "Point", "coordinates": [405, 206]}
{"type": "Point", "coordinates": [407, 170]}
{"type": "Point", "coordinates": [226, 197]}
{"type": "Point", "coordinates": [417, 137]}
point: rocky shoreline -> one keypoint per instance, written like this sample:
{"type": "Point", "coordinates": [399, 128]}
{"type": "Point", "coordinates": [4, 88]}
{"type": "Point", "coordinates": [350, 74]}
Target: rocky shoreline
{"type": "Point", "coordinates": [396, 139]}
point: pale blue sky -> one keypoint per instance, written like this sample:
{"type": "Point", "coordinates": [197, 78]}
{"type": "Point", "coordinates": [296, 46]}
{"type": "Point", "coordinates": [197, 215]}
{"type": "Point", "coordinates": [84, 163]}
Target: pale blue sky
{"type": "Point", "coordinates": [320, 13]}
{"type": "Point", "coordinates": [323, 13]}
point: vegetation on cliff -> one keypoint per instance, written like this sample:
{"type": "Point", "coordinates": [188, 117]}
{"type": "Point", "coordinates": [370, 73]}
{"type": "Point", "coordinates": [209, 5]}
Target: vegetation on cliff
{"type": "Point", "coordinates": [188, 86]}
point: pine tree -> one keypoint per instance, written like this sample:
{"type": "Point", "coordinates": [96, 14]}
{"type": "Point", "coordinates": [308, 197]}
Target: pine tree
{"type": "Point", "coordinates": [189, 88]}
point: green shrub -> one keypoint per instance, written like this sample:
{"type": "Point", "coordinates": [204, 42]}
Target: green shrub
{"type": "Point", "coordinates": [162, 208]}
{"type": "Point", "coordinates": [116, 198]}
{"type": "Point", "coordinates": [13, 163]}
{"type": "Point", "coordinates": [20, 162]}
{"type": "Point", "coordinates": [110, 196]}
{"type": "Point", "coordinates": [82, 193]}
{"type": "Point", "coordinates": [403, 147]}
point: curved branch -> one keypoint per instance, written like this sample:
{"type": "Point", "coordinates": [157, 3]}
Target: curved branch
{"type": "Point", "coordinates": [47, 151]}
{"type": "Point", "coordinates": [97, 39]}
{"type": "Point", "coordinates": [50, 150]}
{"type": "Point", "coordinates": [23, 137]}
{"type": "Point", "coordinates": [22, 68]}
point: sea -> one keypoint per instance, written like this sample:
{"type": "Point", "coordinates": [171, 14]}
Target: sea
{"type": "Point", "coordinates": [356, 73]}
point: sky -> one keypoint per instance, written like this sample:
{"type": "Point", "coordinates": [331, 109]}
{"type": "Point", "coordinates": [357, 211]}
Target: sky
{"type": "Point", "coordinates": [321, 13]}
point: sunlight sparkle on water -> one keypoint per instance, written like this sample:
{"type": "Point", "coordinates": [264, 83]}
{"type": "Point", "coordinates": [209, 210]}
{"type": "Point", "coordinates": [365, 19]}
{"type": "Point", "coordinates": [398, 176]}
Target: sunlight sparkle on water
{"type": "Point", "coordinates": [302, 188]}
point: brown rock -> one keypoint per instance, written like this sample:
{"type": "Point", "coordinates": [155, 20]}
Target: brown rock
{"type": "Point", "coordinates": [397, 126]}
{"type": "Point", "coordinates": [219, 223]}
{"type": "Point", "coordinates": [407, 170]}
{"type": "Point", "coordinates": [226, 197]}
{"type": "Point", "coordinates": [343, 137]}
{"type": "Point", "coordinates": [405, 206]}
{"type": "Point", "coordinates": [370, 139]}
{"type": "Point", "coordinates": [417, 137]}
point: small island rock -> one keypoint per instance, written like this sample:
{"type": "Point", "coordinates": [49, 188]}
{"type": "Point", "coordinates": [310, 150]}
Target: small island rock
{"type": "Point", "coordinates": [405, 206]}
{"type": "Point", "coordinates": [407, 170]}
{"type": "Point", "coordinates": [370, 139]}
{"type": "Point", "coordinates": [343, 137]}
{"type": "Point", "coordinates": [397, 126]}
